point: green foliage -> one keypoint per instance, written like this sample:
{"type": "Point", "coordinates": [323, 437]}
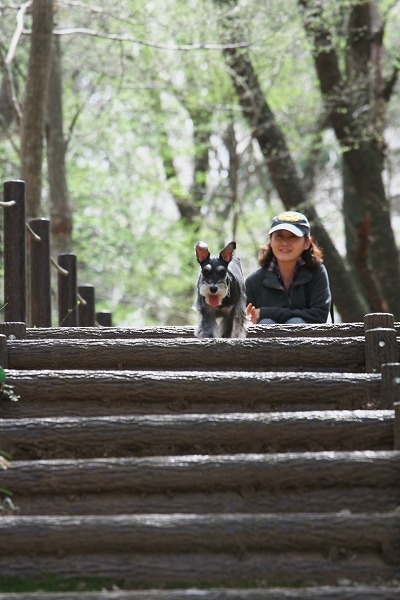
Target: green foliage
{"type": "Point", "coordinates": [151, 94]}
{"type": "Point", "coordinates": [6, 390]}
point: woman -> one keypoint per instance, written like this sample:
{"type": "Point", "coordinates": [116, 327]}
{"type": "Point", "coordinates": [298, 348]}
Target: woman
{"type": "Point", "coordinates": [291, 285]}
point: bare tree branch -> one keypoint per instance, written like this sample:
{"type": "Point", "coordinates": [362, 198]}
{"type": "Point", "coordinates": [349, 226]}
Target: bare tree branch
{"type": "Point", "coordinates": [18, 32]}
{"type": "Point", "coordinates": [10, 56]}
{"type": "Point", "coordinates": [160, 46]}
{"type": "Point", "coordinates": [117, 16]}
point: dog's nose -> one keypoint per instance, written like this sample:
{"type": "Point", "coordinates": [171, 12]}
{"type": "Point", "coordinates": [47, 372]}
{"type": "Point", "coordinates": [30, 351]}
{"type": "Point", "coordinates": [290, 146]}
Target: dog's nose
{"type": "Point", "coordinates": [213, 289]}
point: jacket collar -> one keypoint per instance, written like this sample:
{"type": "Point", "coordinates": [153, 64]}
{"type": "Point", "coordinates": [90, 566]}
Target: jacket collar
{"type": "Point", "coordinates": [271, 278]}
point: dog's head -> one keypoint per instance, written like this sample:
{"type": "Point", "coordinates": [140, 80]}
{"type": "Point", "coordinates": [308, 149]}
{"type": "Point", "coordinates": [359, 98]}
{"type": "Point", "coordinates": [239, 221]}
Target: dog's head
{"type": "Point", "coordinates": [213, 282]}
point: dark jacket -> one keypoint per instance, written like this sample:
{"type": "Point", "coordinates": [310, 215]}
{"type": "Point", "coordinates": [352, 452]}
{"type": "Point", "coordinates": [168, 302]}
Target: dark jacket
{"type": "Point", "coordinates": [310, 296]}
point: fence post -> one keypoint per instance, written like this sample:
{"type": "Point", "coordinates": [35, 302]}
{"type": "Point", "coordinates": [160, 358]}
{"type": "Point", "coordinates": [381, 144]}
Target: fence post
{"type": "Point", "coordinates": [380, 347]}
{"type": "Point", "coordinates": [374, 320]}
{"type": "Point", "coordinates": [13, 331]}
{"type": "Point", "coordinates": [40, 283]}
{"type": "Point", "coordinates": [396, 441]}
{"type": "Point", "coordinates": [67, 291]}
{"type": "Point", "coordinates": [86, 311]}
{"type": "Point", "coordinates": [3, 352]}
{"type": "Point", "coordinates": [390, 385]}
{"type": "Point", "coordinates": [14, 251]}
{"type": "Point", "coordinates": [104, 318]}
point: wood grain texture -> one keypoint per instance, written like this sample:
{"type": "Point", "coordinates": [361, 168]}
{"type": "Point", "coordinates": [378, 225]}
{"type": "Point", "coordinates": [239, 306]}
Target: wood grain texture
{"type": "Point", "coordinates": [381, 347]}
{"type": "Point", "coordinates": [175, 331]}
{"type": "Point", "coordinates": [82, 437]}
{"type": "Point", "coordinates": [16, 330]}
{"type": "Point", "coordinates": [360, 592]}
{"type": "Point", "coordinates": [375, 533]}
{"type": "Point", "coordinates": [298, 471]}
{"type": "Point", "coordinates": [336, 354]}
{"type": "Point", "coordinates": [250, 500]}
{"type": "Point", "coordinates": [100, 393]}
{"type": "Point", "coordinates": [241, 569]}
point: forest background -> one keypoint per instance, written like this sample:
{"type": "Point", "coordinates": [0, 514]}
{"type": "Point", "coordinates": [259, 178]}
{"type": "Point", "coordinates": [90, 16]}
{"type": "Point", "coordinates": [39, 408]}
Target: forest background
{"type": "Point", "coordinates": [141, 128]}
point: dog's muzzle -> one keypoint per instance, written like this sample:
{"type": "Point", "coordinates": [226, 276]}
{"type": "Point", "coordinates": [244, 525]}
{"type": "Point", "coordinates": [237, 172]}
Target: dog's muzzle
{"type": "Point", "coordinates": [214, 294]}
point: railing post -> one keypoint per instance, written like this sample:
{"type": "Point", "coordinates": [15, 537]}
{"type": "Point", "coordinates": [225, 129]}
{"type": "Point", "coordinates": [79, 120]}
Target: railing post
{"type": "Point", "coordinates": [40, 278]}
{"type": "Point", "coordinates": [3, 352]}
{"type": "Point", "coordinates": [396, 441]}
{"type": "Point", "coordinates": [13, 331]}
{"type": "Point", "coordinates": [374, 320]}
{"type": "Point", "coordinates": [104, 318]}
{"type": "Point", "coordinates": [67, 291]}
{"type": "Point", "coordinates": [86, 311]}
{"type": "Point", "coordinates": [380, 347]}
{"type": "Point", "coordinates": [14, 251]}
{"type": "Point", "coordinates": [390, 385]}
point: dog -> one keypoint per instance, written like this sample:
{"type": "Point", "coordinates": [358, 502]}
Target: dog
{"type": "Point", "coordinates": [220, 294]}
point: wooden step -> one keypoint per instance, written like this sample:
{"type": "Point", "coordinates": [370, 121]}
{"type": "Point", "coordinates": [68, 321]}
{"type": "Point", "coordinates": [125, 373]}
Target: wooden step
{"type": "Point", "coordinates": [150, 435]}
{"type": "Point", "coordinates": [332, 354]}
{"type": "Point", "coordinates": [358, 592]}
{"type": "Point", "coordinates": [207, 549]}
{"type": "Point", "coordinates": [101, 393]}
{"type": "Point", "coordinates": [311, 481]}
{"type": "Point", "coordinates": [173, 332]}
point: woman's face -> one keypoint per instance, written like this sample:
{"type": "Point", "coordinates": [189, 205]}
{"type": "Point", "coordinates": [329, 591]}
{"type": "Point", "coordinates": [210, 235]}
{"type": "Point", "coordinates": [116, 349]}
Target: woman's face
{"type": "Point", "coordinates": [287, 246]}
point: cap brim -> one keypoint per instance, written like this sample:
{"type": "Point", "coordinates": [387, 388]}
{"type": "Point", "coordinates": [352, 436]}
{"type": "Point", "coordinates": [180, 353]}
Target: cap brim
{"type": "Point", "coordinates": [289, 227]}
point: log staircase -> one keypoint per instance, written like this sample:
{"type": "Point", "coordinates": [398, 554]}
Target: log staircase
{"type": "Point", "coordinates": [165, 467]}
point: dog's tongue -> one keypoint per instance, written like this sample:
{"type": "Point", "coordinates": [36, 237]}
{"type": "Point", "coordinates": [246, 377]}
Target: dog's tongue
{"type": "Point", "coordinates": [213, 300]}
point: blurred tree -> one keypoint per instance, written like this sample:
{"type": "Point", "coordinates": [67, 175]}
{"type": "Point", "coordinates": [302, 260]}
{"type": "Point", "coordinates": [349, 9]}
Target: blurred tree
{"type": "Point", "coordinates": [34, 104]}
{"type": "Point", "coordinates": [281, 166]}
{"type": "Point", "coordinates": [60, 207]}
{"type": "Point", "coordinates": [355, 113]}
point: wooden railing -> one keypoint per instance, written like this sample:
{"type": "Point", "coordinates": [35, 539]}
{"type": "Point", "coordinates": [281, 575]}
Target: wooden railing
{"type": "Point", "coordinates": [29, 243]}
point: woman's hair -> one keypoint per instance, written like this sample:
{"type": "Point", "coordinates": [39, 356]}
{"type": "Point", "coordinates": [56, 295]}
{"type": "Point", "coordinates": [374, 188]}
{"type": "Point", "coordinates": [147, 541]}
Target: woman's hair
{"type": "Point", "coordinates": [312, 256]}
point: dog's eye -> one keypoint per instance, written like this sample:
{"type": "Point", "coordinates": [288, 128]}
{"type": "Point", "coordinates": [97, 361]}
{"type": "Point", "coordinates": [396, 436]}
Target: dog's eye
{"type": "Point", "coordinates": [220, 271]}
{"type": "Point", "coordinates": [207, 270]}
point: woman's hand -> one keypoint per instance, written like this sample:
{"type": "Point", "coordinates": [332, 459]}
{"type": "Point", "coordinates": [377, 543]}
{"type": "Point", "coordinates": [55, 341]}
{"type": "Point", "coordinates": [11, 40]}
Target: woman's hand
{"type": "Point", "coordinates": [253, 313]}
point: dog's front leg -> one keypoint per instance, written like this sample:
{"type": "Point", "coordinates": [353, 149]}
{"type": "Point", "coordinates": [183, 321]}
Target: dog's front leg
{"type": "Point", "coordinates": [207, 327]}
{"type": "Point", "coordinates": [226, 325]}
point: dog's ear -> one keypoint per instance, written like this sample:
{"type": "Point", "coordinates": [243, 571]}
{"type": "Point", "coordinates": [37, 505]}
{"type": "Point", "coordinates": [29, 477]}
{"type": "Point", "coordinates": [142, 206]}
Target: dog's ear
{"type": "Point", "coordinates": [202, 252]}
{"type": "Point", "coordinates": [226, 253]}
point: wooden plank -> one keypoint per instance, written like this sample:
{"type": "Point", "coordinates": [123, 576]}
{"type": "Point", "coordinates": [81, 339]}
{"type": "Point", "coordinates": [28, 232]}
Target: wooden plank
{"type": "Point", "coordinates": [376, 533]}
{"type": "Point", "coordinates": [206, 568]}
{"type": "Point", "coordinates": [81, 437]}
{"type": "Point", "coordinates": [251, 501]}
{"type": "Point", "coordinates": [299, 471]}
{"type": "Point", "coordinates": [249, 483]}
{"type": "Point", "coordinates": [100, 393]}
{"type": "Point", "coordinates": [359, 592]}
{"type": "Point", "coordinates": [175, 331]}
{"type": "Point", "coordinates": [335, 354]}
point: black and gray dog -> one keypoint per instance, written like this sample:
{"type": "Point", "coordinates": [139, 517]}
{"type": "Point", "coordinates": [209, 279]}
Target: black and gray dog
{"type": "Point", "coordinates": [220, 294]}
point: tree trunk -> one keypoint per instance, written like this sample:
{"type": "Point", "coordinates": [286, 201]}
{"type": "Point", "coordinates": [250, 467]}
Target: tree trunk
{"type": "Point", "coordinates": [6, 108]}
{"type": "Point", "coordinates": [260, 117]}
{"type": "Point", "coordinates": [365, 82]}
{"type": "Point", "coordinates": [60, 208]}
{"type": "Point", "coordinates": [188, 203]}
{"type": "Point", "coordinates": [362, 156]}
{"type": "Point", "coordinates": [35, 103]}
{"type": "Point", "coordinates": [201, 139]}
